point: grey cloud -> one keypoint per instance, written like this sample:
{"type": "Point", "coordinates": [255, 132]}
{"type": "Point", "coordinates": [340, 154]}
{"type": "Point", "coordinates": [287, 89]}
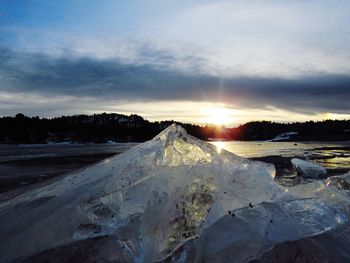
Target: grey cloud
{"type": "Point", "coordinates": [114, 79]}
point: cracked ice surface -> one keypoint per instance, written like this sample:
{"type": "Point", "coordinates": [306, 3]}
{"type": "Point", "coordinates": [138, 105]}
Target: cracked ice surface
{"type": "Point", "coordinates": [172, 197]}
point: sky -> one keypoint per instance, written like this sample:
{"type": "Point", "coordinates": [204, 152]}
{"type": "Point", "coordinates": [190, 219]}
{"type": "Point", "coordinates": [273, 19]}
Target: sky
{"type": "Point", "coordinates": [195, 61]}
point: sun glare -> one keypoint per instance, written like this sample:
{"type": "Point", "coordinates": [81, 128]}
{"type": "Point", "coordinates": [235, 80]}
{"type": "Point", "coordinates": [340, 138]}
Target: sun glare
{"type": "Point", "coordinates": [219, 146]}
{"type": "Point", "coordinates": [218, 116]}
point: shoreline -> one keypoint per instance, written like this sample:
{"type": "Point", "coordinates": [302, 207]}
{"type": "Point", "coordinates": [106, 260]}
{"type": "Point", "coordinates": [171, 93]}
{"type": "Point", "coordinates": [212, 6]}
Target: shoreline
{"type": "Point", "coordinates": [17, 173]}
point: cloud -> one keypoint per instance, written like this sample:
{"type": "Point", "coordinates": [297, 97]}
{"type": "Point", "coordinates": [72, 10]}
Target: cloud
{"type": "Point", "coordinates": [116, 80]}
{"type": "Point", "coordinates": [259, 56]}
{"type": "Point", "coordinates": [256, 38]}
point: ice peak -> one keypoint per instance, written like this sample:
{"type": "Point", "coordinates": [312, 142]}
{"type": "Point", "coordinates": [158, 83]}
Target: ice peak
{"type": "Point", "coordinates": [171, 130]}
{"type": "Point", "coordinates": [174, 147]}
{"type": "Point", "coordinates": [172, 133]}
{"type": "Point", "coordinates": [175, 128]}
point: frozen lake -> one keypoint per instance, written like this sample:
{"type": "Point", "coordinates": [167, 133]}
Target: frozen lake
{"type": "Point", "coordinates": [246, 149]}
{"type": "Point", "coordinates": [24, 164]}
{"type": "Point", "coordinates": [331, 154]}
{"type": "Point", "coordinates": [287, 149]}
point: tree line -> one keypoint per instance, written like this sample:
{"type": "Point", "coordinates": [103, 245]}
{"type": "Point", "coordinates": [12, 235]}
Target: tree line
{"type": "Point", "coordinates": [101, 128]}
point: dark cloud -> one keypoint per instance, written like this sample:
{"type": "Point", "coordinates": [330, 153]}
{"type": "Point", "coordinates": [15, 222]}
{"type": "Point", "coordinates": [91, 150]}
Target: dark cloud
{"type": "Point", "coordinates": [113, 79]}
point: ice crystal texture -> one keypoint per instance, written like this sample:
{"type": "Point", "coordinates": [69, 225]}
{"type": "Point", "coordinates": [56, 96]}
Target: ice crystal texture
{"type": "Point", "coordinates": [172, 198]}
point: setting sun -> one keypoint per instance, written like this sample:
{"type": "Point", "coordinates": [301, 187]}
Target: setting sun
{"type": "Point", "coordinates": [218, 116]}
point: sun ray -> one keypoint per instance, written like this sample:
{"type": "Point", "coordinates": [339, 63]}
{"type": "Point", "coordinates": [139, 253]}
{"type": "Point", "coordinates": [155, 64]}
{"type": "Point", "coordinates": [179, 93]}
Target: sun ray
{"type": "Point", "coordinates": [218, 116]}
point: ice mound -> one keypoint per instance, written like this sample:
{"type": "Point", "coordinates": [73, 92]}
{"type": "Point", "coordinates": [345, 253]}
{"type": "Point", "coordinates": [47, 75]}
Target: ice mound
{"type": "Point", "coordinates": [174, 198]}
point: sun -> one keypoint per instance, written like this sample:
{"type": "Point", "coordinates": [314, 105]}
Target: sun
{"type": "Point", "coordinates": [218, 116]}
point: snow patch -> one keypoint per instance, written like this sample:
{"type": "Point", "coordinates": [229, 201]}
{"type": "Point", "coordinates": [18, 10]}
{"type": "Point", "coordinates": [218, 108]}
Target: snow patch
{"type": "Point", "coordinates": [284, 136]}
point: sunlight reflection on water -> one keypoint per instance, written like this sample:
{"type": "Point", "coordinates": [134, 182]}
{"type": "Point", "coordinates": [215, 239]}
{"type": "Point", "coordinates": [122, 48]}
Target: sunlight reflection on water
{"type": "Point", "coordinates": [219, 146]}
{"type": "Point", "coordinates": [286, 149]}
{"type": "Point", "coordinates": [334, 156]}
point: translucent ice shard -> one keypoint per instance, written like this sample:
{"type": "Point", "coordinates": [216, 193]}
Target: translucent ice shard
{"type": "Point", "coordinates": [309, 169]}
{"type": "Point", "coordinates": [174, 197]}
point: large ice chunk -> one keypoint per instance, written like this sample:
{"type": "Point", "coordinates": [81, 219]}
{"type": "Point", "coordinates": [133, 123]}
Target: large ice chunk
{"type": "Point", "coordinates": [308, 169]}
{"type": "Point", "coordinates": [172, 198]}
